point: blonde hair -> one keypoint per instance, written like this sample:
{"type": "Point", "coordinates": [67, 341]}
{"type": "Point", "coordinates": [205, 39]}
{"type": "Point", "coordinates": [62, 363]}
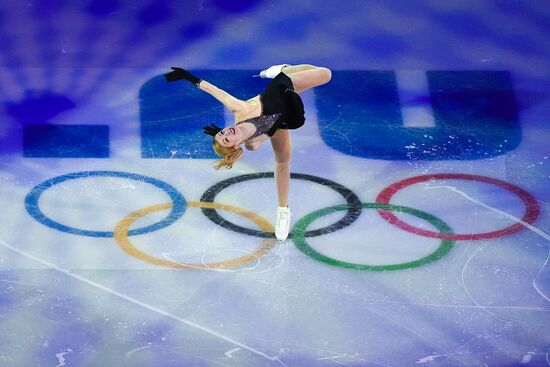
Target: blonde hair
{"type": "Point", "coordinates": [229, 155]}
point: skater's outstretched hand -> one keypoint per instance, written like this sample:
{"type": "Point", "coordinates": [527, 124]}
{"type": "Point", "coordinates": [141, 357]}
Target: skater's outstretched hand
{"type": "Point", "coordinates": [179, 74]}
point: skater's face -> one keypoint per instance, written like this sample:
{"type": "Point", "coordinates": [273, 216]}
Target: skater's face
{"type": "Point", "coordinates": [230, 137]}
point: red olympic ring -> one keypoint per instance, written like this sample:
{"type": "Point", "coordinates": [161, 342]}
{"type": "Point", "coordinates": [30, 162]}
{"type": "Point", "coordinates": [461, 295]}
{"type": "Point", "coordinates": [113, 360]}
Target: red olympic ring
{"type": "Point", "coordinates": [532, 208]}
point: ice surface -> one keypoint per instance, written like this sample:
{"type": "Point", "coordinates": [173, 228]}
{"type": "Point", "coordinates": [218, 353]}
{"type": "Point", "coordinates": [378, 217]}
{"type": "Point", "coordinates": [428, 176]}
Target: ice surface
{"type": "Point", "coordinates": [76, 290]}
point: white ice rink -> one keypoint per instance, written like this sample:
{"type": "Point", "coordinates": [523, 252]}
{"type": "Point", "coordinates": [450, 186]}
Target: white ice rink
{"type": "Point", "coordinates": [121, 246]}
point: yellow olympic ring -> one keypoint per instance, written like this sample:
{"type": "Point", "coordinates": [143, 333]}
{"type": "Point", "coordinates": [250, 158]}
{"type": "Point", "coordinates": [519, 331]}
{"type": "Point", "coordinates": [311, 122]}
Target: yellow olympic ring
{"type": "Point", "coordinates": [122, 228]}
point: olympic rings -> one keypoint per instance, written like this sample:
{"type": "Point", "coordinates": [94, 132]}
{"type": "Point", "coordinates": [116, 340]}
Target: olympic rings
{"type": "Point", "coordinates": [353, 209]}
{"type": "Point", "coordinates": [300, 227]}
{"type": "Point", "coordinates": [121, 237]}
{"type": "Point", "coordinates": [532, 209]}
{"type": "Point", "coordinates": [353, 204]}
{"type": "Point", "coordinates": [31, 202]}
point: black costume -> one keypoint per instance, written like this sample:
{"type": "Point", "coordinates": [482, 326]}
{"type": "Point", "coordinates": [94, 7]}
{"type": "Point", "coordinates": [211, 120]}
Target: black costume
{"type": "Point", "coordinates": [282, 108]}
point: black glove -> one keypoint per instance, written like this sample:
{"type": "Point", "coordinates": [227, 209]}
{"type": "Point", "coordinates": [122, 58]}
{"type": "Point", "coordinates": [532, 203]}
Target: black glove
{"type": "Point", "coordinates": [179, 74]}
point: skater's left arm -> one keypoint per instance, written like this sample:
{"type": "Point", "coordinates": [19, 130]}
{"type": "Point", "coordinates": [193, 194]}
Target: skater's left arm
{"type": "Point", "coordinates": [234, 104]}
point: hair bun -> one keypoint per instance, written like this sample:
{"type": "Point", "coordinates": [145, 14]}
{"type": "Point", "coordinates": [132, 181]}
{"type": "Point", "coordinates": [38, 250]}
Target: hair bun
{"type": "Point", "coordinates": [211, 129]}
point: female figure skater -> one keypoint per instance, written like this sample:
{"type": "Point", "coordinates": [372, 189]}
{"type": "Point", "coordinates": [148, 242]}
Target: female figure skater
{"type": "Point", "coordinates": [268, 115]}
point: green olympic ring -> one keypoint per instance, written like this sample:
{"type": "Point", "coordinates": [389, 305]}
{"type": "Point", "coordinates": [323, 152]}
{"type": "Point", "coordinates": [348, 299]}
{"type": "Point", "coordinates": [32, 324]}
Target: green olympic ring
{"type": "Point", "coordinates": [300, 228]}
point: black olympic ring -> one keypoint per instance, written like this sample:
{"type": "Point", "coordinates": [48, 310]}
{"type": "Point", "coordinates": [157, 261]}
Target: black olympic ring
{"type": "Point", "coordinates": [352, 200]}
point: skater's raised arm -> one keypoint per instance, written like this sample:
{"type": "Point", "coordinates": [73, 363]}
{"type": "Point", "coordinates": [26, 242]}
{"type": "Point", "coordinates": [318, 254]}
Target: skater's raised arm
{"type": "Point", "coordinates": [234, 104]}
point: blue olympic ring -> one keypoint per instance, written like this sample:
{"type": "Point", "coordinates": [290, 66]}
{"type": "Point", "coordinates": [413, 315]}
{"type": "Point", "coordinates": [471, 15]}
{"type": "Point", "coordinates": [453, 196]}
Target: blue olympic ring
{"type": "Point", "coordinates": [31, 202]}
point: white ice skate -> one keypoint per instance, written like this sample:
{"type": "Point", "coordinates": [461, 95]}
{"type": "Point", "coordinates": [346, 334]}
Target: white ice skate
{"type": "Point", "coordinates": [282, 226]}
{"type": "Point", "coordinates": [272, 71]}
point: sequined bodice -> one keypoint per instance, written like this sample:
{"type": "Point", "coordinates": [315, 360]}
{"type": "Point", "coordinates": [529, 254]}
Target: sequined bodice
{"type": "Point", "coordinates": [262, 123]}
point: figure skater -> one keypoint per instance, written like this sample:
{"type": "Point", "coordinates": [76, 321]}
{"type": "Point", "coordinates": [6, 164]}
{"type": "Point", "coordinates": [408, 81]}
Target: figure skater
{"type": "Point", "coordinates": [269, 115]}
